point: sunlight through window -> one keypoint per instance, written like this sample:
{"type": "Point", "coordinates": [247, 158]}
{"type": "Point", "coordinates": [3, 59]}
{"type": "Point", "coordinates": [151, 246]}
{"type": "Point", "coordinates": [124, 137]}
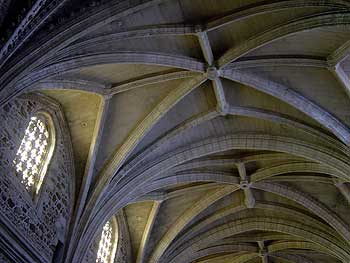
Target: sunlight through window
{"type": "Point", "coordinates": [32, 154]}
{"type": "Point", "coordinates": [106, 247]}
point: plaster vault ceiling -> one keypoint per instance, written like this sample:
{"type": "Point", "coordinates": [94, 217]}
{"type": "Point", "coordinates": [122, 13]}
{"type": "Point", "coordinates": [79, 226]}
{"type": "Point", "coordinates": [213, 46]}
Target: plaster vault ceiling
{"type": "Point", "coordinates": [217, 131]}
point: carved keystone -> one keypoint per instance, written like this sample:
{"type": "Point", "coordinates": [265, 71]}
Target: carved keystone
{"type": "Point", "coordinates": [244, 184]}
{"type": "Point", "coordinates": [212, 73]}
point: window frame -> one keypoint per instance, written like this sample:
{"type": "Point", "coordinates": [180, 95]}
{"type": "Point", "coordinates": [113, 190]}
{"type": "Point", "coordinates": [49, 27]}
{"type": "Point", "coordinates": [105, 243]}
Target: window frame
{"type": "Point", "coordinates": [47, 119]}
{"type": "Point", "coordinates": [115, 236]}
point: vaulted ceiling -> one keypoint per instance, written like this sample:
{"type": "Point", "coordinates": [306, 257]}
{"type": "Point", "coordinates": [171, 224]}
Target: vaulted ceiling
{"type": "Point", "coordinates": [218, 129]}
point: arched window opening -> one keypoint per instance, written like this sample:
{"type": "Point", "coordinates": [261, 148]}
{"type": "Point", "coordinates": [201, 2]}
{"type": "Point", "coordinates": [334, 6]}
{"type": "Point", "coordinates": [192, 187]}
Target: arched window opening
{"type": "Point", "coordinates": [34, 153]}
{"type": "Point", "coordinates": [108, 242]}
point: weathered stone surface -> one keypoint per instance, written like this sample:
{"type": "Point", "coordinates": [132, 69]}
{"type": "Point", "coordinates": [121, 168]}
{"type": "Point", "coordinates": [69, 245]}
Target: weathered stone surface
{"type": "Point", "coordinates": [221, 128]}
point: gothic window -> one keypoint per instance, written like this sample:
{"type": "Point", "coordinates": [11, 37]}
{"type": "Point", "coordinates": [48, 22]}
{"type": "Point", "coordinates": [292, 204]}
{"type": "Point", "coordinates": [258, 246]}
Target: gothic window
{"type": "Point", "coordinates": [33, 154]}
{"type": "Point", "coordinates": [107, 244]}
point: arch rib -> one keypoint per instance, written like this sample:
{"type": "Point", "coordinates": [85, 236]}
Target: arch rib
{"type": "Point", "coordinates": [263, 224]}
{"type": "Point", "coordinates": [281, 31]}
{"type": "Point", "coordinates": [293, 98]}
{"type": "Point", "coordinates": [158, 59]}
{"type": "Point", "coordinates": [308, 202]}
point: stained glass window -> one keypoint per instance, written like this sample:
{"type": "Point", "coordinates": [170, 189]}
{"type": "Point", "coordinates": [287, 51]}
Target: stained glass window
{"type": "Point", "coordinates": [32, 154]}
{"type": "Point", "coordinates": [107, 244]}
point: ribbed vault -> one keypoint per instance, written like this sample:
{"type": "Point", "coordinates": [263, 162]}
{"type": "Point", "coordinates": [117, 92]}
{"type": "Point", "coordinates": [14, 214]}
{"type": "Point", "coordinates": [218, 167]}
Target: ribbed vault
{"type": "Point", "coordinates": [215, 131]}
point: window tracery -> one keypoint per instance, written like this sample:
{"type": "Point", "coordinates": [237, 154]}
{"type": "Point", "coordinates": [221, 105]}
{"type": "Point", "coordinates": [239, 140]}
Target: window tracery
{"type": "Point", "coordinates": [32, 156]}
{"type": "Point", "coordinates": [107, 244]}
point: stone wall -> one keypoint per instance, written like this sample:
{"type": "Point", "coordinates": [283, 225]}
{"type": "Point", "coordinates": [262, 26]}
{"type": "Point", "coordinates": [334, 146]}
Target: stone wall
{"type": "Point", "coordinates": [40, 223]}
